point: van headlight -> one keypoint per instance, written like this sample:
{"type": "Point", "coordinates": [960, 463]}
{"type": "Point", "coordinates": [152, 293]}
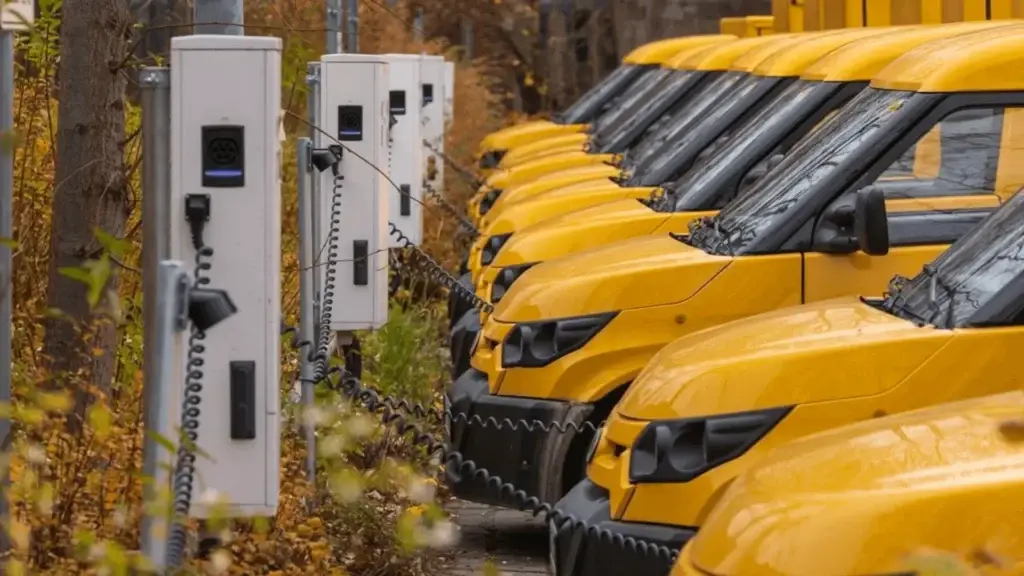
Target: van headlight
{"type": "Point", "coordinates": [505, 278]}
{"type": "Point", "coordinates": [492, 246]}
{"type": "Point", "coordinates": [537, 344]}
{"type": "Point", "coordinates": [681, 450]}
{"type": "Point", "coordinates": [492, 158]}
{"type": "Point", "coordinates": [487, 202]}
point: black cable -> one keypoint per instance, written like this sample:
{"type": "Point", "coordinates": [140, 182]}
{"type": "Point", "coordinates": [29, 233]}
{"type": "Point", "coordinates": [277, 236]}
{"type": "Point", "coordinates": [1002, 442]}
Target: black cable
{"type": "Point", "coordinates": [465, 173]}
{"type": "Point", "coordinates": [185, 467]}
{"type": "Point", "coordinates": [355, 390]}
{"type": "Point", "coordinates": [437, 272]}
{"type": "Point", "coordinates": [464, 222]}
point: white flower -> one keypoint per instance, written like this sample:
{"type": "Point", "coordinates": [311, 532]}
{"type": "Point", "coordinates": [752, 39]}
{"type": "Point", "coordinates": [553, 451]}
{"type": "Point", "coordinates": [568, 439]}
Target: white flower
{"type": "Point", "coordinates": [420, 491]}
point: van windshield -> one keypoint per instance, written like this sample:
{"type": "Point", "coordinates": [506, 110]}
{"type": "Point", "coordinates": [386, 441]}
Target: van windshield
{"type": "Point", "coordinates": [645, 110]}
{"type": "Point", "coordinates": [687, 140]}
{"type": "Point", "coordinates": [686, 116]}
{"type": "Point", "coordinates": [968, 274]}
{"type": "Point", "coordinates": [697, 189]}
{"type": "Point", "coordinates": [765, 205]}
{"type": "Point", "coordinates": [642, 89]}
{"type": "Point", "coordinates": [588, 106]}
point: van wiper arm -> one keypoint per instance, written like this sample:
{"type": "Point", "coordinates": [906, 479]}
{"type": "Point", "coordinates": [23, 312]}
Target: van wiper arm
{"type": "Point", "coordinates": [937, 281]}
{"type": "Point", "coordinates": [724, 236]}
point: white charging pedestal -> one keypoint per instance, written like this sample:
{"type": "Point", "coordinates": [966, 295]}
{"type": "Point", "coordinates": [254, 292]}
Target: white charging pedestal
{"type": "Point", "coordinates": [354, 97]}
{"type": "Point", "coordinates": [225, 102]}
{"type": "Point", "coordinates": [433, 80]}
{"type": "Point", "coordinates": [406, 142]}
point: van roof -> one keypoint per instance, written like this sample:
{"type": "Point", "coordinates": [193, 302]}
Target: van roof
{"type": "Point", "coordinates": [721, 56]}
{"type": "Point", "coordinates": [980, 62]}
{"type": "Point", "coordinates": [864, 59]}
{"type": "Point", "coordinates": [659, 52]}
{"type": "Point", "coordinates": [752, 59]}
{"type": "Point", "coordinates": [678, 61]}
{"type": "Point", "coordinates": [796, 60]}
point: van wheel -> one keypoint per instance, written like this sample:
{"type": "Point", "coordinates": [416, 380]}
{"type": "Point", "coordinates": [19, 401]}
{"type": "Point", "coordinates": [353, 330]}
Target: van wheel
{"type": "Point", "coordinates": [576, 459]}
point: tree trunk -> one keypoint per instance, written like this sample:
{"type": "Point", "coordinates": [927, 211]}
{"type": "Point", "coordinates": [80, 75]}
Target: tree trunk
{"type": "Point", "coordinates": [90, 185]}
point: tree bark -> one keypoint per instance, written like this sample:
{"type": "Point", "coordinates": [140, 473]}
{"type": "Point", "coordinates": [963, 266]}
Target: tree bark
{"type": "Point", "coordinates": [90, 185]}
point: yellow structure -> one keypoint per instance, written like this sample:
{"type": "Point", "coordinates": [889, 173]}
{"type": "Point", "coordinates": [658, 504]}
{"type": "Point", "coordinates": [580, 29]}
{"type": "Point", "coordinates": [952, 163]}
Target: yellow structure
{"type": "Point", "coordinates": [746, 26]}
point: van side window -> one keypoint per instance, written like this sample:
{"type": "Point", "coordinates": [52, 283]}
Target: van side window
{"type": "Point", "coordinates": [960, 155]}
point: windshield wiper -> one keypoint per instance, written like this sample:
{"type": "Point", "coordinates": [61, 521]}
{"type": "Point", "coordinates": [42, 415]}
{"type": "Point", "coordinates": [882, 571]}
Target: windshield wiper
{"type": "Point", "coordinates": [894, 301]}
{"type": "Point", "coordinates": [936, 281]}
{"type": "Point", "coordinates": [724, 235]}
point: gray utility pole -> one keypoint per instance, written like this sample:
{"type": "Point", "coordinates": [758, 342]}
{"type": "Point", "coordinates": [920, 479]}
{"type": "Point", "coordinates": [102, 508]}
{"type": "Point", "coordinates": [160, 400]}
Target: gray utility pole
{"type": "Point", "coordinates": [334, 45]}
{"type": "Point", "coordinates": [467, 37]}
{"type": "Point", "coordinates": [307, 316]}
{"type": "Point", "coordinates": [313, 118]}
{"type": "Point", "coordinates": [219, 17]}
{"type": "Point", "coordinates": [6, 265]}
{"type": "Point", "coordinates": [159, 393]}
{"type": "Point", "coordinates": [417, 25]}
{"type": "Point", "coordinates": [353, 27]}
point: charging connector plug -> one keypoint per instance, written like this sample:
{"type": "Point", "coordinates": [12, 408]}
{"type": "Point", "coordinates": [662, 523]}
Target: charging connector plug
{"type": "Point", "coordinates": [197, 214]}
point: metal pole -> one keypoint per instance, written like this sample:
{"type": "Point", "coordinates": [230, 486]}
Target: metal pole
{"type": "Point", "coordinates": [158, 393]}
{"type": "Point", "coordinates": [219, 17]}
{"type": "Point", "coordinates": [6, 264]}
{"type": "Point", "coordinates": [417, 26]}
{"type": "Point", "coordinates": [160, 415]}
{"type": "Point", "coordinates": [353, 27]}
{"type": "Point", "coordinates": [307, 317]}
{"type": "Point", "coordinates": [467, 37]}
{"type": "Point", "coordinates": [334, 43]}
{"type": "Point", "coordinates": [313, 117]}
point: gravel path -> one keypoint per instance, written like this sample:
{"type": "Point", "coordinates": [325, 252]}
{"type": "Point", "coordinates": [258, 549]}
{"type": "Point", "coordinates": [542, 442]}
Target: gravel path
{"type": "Point", "coordinates": [513, 542]}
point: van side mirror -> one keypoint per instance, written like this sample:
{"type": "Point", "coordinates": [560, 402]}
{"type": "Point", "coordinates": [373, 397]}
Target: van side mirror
{"type": "Point", "coordinates": [870, 222]}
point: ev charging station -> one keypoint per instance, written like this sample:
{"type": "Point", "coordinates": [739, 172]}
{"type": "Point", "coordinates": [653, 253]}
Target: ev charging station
{"type": "Point", "coordinates": [449, 92]}
{"type": "Point", "coordinates": [433, 79]}
{"type": "Point", "coordinates": [406, 157]}
{"type": "Point", "coordinates": [353, 197]}
{"type": "Point", "coordinates": [226, 197]}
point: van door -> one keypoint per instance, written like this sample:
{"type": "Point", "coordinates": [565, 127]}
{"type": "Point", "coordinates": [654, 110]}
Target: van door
{"type": "Point", "coordinates": [926, 214]}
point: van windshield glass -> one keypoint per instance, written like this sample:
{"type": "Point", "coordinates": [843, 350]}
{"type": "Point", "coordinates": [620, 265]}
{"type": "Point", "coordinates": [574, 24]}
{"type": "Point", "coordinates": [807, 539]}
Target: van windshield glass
{"type": "Point", "coordinates": [754, 140]}
{"type": "Point", "coordinates": [640, 90]}
{"type": "Point", "coordinates": [967, 275]}
{"type": "Point", "coordinates": [642, 110]}
{"type": "Point", "coordinates": [589, 105]}
{"type": "Point", "coordinates": [686, 116]}
{"type": "Point", "coordinates": [687, 140]}
{"type": "Point", "coordinates": [811, 161]}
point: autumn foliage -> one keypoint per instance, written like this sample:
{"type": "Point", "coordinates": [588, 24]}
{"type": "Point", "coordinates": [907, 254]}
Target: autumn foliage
{"type": "Point", "coordinates": [76, 495]}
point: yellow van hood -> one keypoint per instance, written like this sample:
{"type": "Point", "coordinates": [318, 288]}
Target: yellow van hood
{"type": "Point", "coordinates": [631, 274]}
{"type": "Point", "coordinates": [547, 183]}
{"type": "Point", "coordinates": [861, 499]}
{"type": "Point", "coordinates": [545, 147]}
{"type": "Point", "coordinates": [530, 170]}
{"type": "Point", "coordinates": [775, 359]}
{"type": "Point", "coordinates": [524, 134]}
{"type": "Point", "coordinates": [577, 231]}
{"type": "Point", "coordinates": [560, 202]}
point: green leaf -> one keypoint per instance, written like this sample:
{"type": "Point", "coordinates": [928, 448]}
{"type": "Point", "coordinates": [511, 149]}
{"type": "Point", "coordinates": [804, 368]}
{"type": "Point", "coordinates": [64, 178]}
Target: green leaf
{"type": "Point", "coordinates": [116, 246]}
{"type": "Point", "coordinates": [75, 273]}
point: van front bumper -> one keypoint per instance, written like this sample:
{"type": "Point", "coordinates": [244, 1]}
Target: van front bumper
{"type": "Point", "coordinates": [519, 451]}
{"type": "Point", "coordinates": [578, 553]}
{"type": "Point", "coordinates": [463, 335]}
{"type": "Point", "coordinates": [457, 305]}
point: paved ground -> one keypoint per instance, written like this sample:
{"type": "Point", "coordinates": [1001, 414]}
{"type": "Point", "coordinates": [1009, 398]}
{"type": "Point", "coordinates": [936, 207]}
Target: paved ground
{"type": "Point", "coordinates": [513, 542]}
